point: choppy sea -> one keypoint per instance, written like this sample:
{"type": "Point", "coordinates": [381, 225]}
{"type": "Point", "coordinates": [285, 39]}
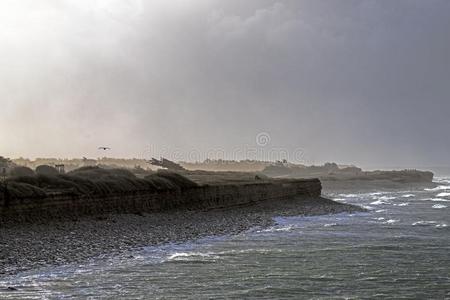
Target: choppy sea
{"type": "Point", "coordinates": [399, 249]}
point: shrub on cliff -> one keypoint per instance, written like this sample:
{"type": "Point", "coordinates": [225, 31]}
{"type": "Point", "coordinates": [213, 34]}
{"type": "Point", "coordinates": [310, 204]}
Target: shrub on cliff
{"type": "Point", "coordinates": [95, 181]}
{"type": "Point", "coordinates": [138, 170]}
{"type": "Point", "coordinates": [49, 183]}
{"type": "Point", "coordinates": [160, 183]}
{"type": "Point", "coordinates": [108, 181]}
{"type": "Point", "coordinates": [46, 170]}
{"type": "Point", "coordinates": [32, 180]}
{"type": "Point", "coordinates": [59, 183]}
{"type": "Point", "coordinates": [22, 171]}
{"type": "Point", "coordinates": [83, 183]}
{"type": "Point", "coordinates": [20, 190]}
{"type": "Point", "coordinates": [174, 178]}
{"type": "Point", "coordinates": [97, 172]}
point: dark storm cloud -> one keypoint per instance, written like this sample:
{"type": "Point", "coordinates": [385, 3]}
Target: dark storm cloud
{"type": "Point", "coordinates": [348, 81]}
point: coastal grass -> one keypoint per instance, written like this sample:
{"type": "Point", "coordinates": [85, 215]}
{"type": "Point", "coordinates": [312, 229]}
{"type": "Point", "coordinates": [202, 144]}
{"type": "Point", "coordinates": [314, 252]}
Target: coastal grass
{"type": "Point", "coordinates": [91, 181]}
{"type": "Point", "coordinates": [46, 170]}
{"type": "Point", "coordinates": [21, 171]}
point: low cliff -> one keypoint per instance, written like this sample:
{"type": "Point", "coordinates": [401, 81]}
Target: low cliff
{"type": "Point", "coordinates": [67, 204]}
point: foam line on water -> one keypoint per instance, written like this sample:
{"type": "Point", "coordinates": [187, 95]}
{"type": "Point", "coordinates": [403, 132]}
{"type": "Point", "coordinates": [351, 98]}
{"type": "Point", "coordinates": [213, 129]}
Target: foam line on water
{"type": "Point", "coordinates": [444, 194]}
{"type": "Point", "coordinates": [379, 202]}
{"type": "Point", "coordinates": [408, 196]}
{"type": "Point", "coordinates": [438, 188]}
{"type": "Point", "coordinates": [438, 206]}
{"type": "Point", "coordinates": [390, 221]}
{"type": "Point", "coordinates": [436, 200]}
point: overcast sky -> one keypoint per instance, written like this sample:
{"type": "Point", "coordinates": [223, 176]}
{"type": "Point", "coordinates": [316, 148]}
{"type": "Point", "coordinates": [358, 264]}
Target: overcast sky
{"type": "Point", "coordinates": [364, 82]}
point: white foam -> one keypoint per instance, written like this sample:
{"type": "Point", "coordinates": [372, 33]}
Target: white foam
{"type": "Point", "coordinates": [444, 194]}
{"type": "Point", "coordinates": [378, 202]}
{"type": "Point", "coordinates": [440, 200]}
{"type": "Point", "coordinates": [441, 225]}
{"type": "Point", "coordinates": [424, 223]}
{"type": "Point", "coordinates": [439, 206]}
{"type": "Point", "coordinates": [385, 198]}
{"type": "Point", "coordinates": [442, 180]}
{"type": "Point", "coordinates": [402, 204]}
{"type": "Point", "coordinates": [376, 193]}
{"type": "Point", "coordinates": [278, 229]}
{"type": "Point", "coordinates": [367, 207]}
{"type": "Point", "coordinates": [436, 199]}
{"type": "Point", "coordinates": [408, 196]}
{"type": "Point", "coordinates": [380, 210]}
{"type": "Point", "coordinates": [439, 188]}
{"type": "Point", "coordinates": [349, 195]}
{"type": "Point", "coordinates": [391, 221]}
{"type": "Point", "coordinates": [330, 225]}
{"type": "Point", "coordinates": [189, 255]}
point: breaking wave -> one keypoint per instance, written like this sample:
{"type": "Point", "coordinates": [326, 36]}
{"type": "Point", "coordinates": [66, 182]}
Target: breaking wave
{"type": "Point", "coordinates": [439, 206]}
{"type": "Point", "coordinates": [436, 200]}
{"type": "Point", "coordinates": [390, 221]}
{"type": "Point", "coordinates": [379, 202]}
{"type": "Point", "coordinates": [408, 196]}
{"type": "Point", "coordinates": [430, 223]}
{"type": "Point", "coordinates": [444, 194]}
{"type": "Point", "coordinates": [438, 188]}
{"type": "Point", "coordinates": [181, 256]}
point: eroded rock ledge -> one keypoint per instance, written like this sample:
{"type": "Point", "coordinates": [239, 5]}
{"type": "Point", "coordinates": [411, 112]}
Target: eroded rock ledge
{"type": "Point", "coordinates": [63, 204]}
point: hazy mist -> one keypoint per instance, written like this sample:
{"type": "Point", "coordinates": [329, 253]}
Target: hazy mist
{"type": "Point", "coordinates": [364, 82]}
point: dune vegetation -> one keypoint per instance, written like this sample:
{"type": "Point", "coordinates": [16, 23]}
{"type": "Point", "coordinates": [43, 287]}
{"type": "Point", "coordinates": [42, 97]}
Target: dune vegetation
{"type": "Point", "coordinates": [46, 170]}
{"type": "Point", "coordinates": [90, 181]}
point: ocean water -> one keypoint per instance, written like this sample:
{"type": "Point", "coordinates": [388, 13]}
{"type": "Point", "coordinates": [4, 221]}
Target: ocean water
{"type": "Point", "coordinates": [399, 249]}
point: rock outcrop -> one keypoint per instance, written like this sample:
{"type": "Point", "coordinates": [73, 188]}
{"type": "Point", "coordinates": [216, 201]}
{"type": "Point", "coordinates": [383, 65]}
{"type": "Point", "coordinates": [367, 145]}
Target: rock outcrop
{"type": "Point", "coordinates": [65, 204]}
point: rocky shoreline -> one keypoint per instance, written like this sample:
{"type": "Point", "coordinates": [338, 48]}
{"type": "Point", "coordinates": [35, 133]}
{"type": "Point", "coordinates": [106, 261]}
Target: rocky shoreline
{"type": "Point", "coordinates": [33, 245]}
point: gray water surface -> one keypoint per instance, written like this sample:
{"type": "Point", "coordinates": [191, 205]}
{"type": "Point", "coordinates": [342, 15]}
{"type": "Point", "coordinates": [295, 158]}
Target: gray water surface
{"type": "Point", "coordinates": [399, 249]}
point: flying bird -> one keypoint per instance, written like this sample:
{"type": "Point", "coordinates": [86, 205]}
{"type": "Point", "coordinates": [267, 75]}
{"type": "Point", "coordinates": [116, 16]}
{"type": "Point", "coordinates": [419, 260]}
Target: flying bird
{"type": "Point", "coordinates": [104, 148]}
